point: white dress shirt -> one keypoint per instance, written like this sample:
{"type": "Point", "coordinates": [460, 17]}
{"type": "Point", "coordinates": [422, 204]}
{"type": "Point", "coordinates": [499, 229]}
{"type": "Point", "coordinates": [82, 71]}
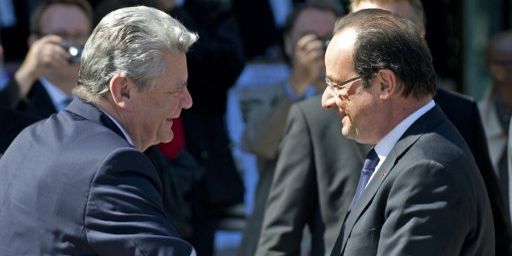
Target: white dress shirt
{"type": "Point", "coordinates": [386, 144]}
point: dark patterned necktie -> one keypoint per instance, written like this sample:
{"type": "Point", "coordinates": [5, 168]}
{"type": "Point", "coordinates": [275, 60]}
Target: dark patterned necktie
{"type": "Point", "coordinates": [368, 168]}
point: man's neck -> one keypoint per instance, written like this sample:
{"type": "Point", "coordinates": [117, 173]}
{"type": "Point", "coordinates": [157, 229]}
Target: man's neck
{"type": "Point", "coordinates": [119, 119]}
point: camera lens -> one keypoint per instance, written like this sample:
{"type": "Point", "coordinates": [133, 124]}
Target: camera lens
{"type": "Point", "coordinates": [75, 52]}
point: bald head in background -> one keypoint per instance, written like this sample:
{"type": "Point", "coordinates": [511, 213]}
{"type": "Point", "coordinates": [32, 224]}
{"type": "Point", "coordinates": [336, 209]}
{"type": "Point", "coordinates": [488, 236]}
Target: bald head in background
{"type": "Point", "coordinates": [410, 9]}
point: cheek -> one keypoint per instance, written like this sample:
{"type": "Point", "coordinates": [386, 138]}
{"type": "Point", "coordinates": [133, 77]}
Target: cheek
{"type": "Point", "coordinates": [358, 105]}
{"type": "Point", "coordinates": [173, 106]}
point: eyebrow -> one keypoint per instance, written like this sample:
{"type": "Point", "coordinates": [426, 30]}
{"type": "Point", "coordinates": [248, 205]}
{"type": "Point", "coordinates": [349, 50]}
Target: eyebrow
{"type": "Point", "coordinates": [335, 81]}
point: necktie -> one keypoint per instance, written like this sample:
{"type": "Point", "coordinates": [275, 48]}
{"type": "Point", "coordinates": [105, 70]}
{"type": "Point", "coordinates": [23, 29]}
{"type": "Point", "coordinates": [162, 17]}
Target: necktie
{"type": "Point", "coordinates": [370, 163]}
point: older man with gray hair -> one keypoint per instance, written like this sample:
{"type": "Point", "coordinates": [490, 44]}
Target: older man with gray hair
{"type": "Point", "coordinates": [78, 183]}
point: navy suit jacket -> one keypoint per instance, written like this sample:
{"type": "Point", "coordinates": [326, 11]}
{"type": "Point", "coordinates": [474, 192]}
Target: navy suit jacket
{"type": "Point", "coordinates": [12, 123]}
{"type": "Point", "coordinates": [73, 185]}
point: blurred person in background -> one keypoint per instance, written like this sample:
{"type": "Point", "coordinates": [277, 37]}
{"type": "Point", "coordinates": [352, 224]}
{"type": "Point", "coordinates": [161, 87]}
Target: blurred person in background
{"type": "Point", "coordinates": [12, 121]}
{"type": "Point", "coordinates": [43, 83]}
{"type": "Point", "coordinates": [496, 108]}
{"type": "Point", "coordinates": [266, 107]}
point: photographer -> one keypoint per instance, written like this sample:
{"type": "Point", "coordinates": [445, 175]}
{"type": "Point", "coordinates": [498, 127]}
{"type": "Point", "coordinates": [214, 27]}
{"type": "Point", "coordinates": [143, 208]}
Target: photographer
{"type": "Point", "coordinates": [43, 83]}
{"type": "Point", "coordinates": [265, 108]}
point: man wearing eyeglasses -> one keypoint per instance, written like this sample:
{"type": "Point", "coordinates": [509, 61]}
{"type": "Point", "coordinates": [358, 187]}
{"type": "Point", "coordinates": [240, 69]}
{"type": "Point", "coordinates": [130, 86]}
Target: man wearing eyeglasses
{"type": "Point", "coordinates": [334, 179]}
{"type": "Point", "coordinates": [423, 194]}
{"type": "Point", "coordinates": [43, 83]}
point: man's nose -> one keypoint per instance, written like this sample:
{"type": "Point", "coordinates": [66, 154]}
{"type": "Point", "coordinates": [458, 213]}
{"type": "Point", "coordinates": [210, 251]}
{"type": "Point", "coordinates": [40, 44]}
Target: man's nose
{"type": "Point", "coordinates": [187, 99]}
{"type": "Point", "coordinates": [328, 98]}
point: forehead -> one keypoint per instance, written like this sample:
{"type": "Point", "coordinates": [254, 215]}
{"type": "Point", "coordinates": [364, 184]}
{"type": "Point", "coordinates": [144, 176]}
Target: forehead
{"type": "Point", "coordinates": [61, 17]}
{"type": "Point", "coordinates": [339, 55]}
{"type": "Point", "coordinates": [314, 20]}
{"type": "Point", "coordinates": [175, 73]}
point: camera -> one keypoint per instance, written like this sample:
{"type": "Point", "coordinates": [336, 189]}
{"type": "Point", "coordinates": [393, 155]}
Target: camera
{"type": "Point", "coordinates": [75, 52]}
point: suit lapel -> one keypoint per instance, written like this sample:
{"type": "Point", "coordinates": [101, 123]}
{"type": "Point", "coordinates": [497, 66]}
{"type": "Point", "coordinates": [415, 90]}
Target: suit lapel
{"type": "Point", "coordinates": [425, 123]}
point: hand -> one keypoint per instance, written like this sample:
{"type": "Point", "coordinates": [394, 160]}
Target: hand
{"type": "Point", "coordinates": [45, 53]}
{"type": "Point", "coordinates": [308, 62]}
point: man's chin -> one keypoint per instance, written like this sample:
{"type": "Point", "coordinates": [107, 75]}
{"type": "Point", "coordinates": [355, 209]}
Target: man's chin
{"type": "Point", "coordinates": [168, 138]}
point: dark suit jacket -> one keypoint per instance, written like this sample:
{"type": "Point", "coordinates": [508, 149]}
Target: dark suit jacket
{"type": "Point", "coordinates": [315, 178]}
{"type": "Point", "coordinates": [72, 184]}
{"type": "Point", "coordinates": [427, 197]}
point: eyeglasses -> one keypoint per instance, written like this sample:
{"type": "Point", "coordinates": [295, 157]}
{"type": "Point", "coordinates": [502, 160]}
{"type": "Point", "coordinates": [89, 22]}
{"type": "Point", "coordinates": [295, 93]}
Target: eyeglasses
{"type": "Point", "coordinates": [337, 88]}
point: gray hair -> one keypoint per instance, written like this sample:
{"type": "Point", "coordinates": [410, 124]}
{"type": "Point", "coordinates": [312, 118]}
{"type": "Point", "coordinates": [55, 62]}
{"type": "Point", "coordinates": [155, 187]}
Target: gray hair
{"type": "Point", "coordinates": [129, 42]}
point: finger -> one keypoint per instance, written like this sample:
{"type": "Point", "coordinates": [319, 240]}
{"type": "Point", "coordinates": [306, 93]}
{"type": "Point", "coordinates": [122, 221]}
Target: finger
{"type": "Point", "coordinates": [54, 55]}
{"type": "Point", "coordinates": [49, 39]}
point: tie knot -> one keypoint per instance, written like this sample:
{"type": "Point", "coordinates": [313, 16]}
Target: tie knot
{"type": "Point", "coordinates": [371, 161]}
{"type": "Point", "coordinates": [369, 166]}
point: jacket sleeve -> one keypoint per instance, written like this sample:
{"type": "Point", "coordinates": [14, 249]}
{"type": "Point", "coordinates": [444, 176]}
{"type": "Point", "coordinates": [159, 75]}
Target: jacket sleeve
{"type": "Point", "coordinates": [291, 196]}
{"type": "Point", "coordinates": [124, 214]}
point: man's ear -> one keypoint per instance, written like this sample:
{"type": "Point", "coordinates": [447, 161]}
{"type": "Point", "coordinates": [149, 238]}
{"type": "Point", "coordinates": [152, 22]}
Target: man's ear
{"type": "Point", "coordinates": [388, 83]}
{"type": "Point", "coordinates": [121, 91]}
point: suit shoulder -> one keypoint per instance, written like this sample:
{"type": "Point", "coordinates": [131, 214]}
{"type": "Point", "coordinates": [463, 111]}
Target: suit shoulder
{"type": "Point", "coordinates": [444, 96]}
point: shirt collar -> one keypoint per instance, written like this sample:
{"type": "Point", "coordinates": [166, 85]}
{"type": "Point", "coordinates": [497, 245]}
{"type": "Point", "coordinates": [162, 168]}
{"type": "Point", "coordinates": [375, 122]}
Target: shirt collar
{"type": "Point", "coordinates": [387, 143]}
{"type": "Point", "coordinates": [56, 94]}
{"type": "Point", "coordinates": [120, 128]}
